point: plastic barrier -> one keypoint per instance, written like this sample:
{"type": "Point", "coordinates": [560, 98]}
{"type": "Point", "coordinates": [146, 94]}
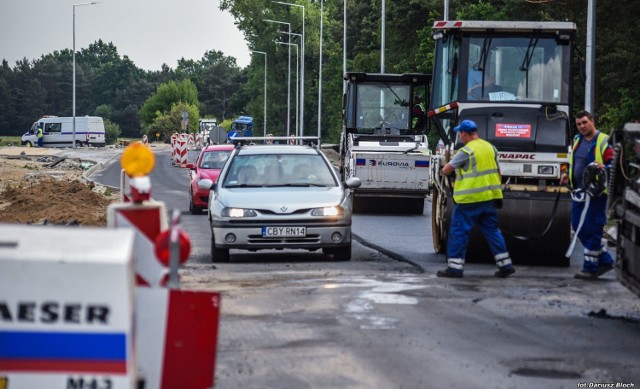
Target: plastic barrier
{"type": "Point", "coordinates": [66, 308]}
{"type": "Point", "coordinates": [180, 152]}
{"type": "Point", "coordinates": [174, 138]}
{"type": "Point", "coordinates": [177, 348]}
{"type": "Point", "coordinates": [147, 220]}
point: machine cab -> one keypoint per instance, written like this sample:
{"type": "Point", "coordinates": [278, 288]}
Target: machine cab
{"type": "Point", "coordinates": [512, 78]}
{"type": "Point", "coordinates": [385, 104]}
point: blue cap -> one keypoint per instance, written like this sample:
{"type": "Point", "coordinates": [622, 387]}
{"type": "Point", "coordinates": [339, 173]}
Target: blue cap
{"type": "Point", "coordinates": [466, 125]}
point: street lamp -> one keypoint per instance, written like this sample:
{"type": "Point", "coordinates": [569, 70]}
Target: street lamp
{"type": "Point", "coordinates": [288, 76]}
{"type": "Point", "coordinates": [344, 47]}
{"type": "Point", "coordinates": [74, 68]}
{"type": "Point", "coordinates": [383, 22]}
{"type": "Point", "coordinates": [298, 133]}
{"type": "Point", "coordinates": [301, 66]}
{"type": "Point", "coordinates": [590, 61]}
{"type": "Point", "coordinates": [320, 74]}
{"type": "Point", "coordinates": [298, 108]}
{"type": "Point", "coordinates": [265, 90]}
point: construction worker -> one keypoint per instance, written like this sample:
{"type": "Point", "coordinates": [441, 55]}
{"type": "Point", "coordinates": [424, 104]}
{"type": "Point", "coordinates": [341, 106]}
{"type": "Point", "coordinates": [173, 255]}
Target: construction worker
{"type": "Point", "coordinates": [477, 195]}
{"type": "Point", "coordinates": [419, 115]}
{"type": "Point", "coordinates": [590, 147]}
{"type": "Point", "coordinates": [40, 135]}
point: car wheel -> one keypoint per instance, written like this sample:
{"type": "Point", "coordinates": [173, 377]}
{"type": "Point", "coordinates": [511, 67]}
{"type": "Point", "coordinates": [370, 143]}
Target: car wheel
{"type": "Point", "coordinates": [218, 255]}
{"type": "Point", "coordinates": [27, 144]}
{"type": "Point", "coordinates": [339, 254]}
{"type": "Point", "coordinates": [193, 209]}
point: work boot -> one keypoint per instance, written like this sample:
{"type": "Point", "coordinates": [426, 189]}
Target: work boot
{"type": "Point", "coordinates": [584, 275]}
{"type": "Point", "coordinates": [504, 272]}
{"type": "Point", "coordinates": [603, 269]}
{"type": "Point", "coordinates": [449, 273]}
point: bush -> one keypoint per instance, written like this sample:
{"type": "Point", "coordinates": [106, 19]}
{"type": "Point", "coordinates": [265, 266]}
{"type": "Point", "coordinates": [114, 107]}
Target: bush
{"type": "Point", "coordinates": [112, 132]}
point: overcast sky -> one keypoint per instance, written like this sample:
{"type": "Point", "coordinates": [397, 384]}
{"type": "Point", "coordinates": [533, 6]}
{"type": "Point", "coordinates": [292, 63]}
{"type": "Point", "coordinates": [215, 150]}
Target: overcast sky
{"type": "Point", "coordinates": [149, 32]}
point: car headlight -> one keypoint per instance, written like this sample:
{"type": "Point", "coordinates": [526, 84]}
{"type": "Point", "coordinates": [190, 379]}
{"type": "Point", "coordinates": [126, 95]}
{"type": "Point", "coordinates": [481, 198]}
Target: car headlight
{"type": "Point", "coordinates": [327, 211]}
{"type": "Point", "coordinates": [238, 212]}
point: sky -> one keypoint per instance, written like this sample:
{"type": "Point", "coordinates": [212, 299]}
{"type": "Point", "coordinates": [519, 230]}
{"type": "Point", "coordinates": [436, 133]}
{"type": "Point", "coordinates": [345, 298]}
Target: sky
{"type": "Point", "coordinates": [149, 32]}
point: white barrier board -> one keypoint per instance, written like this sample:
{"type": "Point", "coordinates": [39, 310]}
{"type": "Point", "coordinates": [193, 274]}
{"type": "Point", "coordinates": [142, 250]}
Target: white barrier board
{"type": "Point", "coordinates": [66, 308]}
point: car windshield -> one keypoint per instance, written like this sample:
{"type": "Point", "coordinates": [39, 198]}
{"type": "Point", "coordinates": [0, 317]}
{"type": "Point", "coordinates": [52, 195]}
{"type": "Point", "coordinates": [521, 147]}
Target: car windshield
{"type": "Point", "coordinates": [214, 159]}
{"type": "Point", "coordinates": [278, 170]}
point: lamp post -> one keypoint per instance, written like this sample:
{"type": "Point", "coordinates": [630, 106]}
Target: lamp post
{"type": "Point", "coordinates": [288, 77]}
{"type": "Point", "coordinates": [320, 74]}
{"type": "Point", "coordinates": [74, 68]}
{"type": "Point", "coordinates": [344, 47]}
{"type": "Point", "coordinates": [590, 60]}
{"type": "Point", "coordinates": [297, 85]}
{"type": "Point", "coordinates": [298, 107]}
{"type": "Point", "coordinates": [383, 22]}
{"type": "Point", "coordinates": [298, 133]}
{"type": "Point", "coordinates": [301, 66]}
{"type": "Point", "coordinates": [265, 91]}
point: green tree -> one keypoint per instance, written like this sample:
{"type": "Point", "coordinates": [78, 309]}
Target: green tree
{"type": "Point", "coordinates": [165, 97]}
{"type": "Point", "coordinates": [169, 122]}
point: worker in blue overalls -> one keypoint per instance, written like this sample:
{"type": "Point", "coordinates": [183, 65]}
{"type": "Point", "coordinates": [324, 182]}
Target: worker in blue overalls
{"type": "Point", "coordinates": [590, 147]}
{"type": "Point", "coordinates": [477, 194]}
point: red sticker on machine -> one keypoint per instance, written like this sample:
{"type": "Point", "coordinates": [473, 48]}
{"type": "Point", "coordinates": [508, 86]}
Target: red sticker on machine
{"type": "Point", "coordinates": [513, 130]}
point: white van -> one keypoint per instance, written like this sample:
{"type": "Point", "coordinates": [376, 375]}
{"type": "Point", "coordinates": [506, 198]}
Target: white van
{"type": "Point", "coordinates": [58, 132]}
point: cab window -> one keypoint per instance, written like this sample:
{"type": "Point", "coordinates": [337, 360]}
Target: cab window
{"type": "Point", "coordinates": [53, 127]}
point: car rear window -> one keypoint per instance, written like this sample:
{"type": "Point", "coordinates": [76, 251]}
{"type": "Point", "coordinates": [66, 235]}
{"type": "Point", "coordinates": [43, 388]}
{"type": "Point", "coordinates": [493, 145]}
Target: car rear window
{"type": "Point", "coordinates": [214, 159]}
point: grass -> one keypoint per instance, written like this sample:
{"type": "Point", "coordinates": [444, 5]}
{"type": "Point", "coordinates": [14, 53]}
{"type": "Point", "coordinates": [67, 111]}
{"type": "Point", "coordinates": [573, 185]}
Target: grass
{"type": "Point", "coordinates": [9, 140]}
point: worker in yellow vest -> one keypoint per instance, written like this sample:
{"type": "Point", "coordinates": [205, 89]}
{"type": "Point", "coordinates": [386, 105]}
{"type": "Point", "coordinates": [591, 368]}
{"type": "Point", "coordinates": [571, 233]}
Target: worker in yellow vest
{"type": "Point", "coordinates": [419, 115]}
{"type": "Point", "coordinates": [477, 194]}
{"type": "Point", "coordinates": [40, 135]}
{"type": "Point", "coordinates": [590, 150]}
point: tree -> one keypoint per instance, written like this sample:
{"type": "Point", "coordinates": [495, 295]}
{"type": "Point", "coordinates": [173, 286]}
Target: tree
{"type": "Point", "coordinates": [165, 97]}
{"type": "Point", "coordinates": [170, 122]}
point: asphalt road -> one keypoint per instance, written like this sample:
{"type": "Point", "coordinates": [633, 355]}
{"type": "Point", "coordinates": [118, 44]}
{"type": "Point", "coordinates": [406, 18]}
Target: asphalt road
{"type": "Point", "coordinates": [383, 320]}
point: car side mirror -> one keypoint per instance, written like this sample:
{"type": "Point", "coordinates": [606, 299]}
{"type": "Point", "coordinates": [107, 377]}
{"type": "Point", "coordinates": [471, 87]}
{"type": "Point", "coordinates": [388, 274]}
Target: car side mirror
{"type": "Point", "coordinates": [353, 182]}
{"type": "Point", "coordinates": [206, 184]}
{"type": "Point", "coordinates": [190, 166]}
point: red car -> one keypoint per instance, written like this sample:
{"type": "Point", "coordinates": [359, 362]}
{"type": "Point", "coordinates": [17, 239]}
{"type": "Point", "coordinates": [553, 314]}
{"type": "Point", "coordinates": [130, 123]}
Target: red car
{"type": "Point", "coordinates": [209, 163]}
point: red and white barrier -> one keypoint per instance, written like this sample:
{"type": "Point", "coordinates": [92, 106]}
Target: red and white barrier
{"type": "Point", "coordinates": [174, 138]}
{"type": "Point", "coordinates": [147, 220]}
{"type": "Point", "coordinates": [180, 152]}
{"type": "Point", "coordinates": [177, 348]}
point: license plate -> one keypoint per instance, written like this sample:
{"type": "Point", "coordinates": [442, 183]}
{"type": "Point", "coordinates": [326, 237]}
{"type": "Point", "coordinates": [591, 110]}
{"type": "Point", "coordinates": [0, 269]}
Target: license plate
{"type": "Point", "coordinates": [287, 232]}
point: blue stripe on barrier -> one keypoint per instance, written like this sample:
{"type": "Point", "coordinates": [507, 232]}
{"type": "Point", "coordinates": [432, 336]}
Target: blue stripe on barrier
{"type": "Point", "coordinates": [63, 345]}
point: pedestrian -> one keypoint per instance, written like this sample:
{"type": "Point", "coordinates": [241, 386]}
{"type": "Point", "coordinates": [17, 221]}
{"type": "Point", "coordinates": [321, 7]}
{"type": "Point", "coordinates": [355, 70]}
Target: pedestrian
{"type": "Point", "coordinates": [40, 135]}
{"type": "Point", "coordinates": [477, 195]}
{"type": "Point", "coordinates": [590, 149]}
{"type": "Point", "coordinates": [419, 115]}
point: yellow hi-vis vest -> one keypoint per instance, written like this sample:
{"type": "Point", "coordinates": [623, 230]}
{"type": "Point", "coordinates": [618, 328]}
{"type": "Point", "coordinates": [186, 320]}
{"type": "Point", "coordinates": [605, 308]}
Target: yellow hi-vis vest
{"type": "Point", "coordinates": [602, 142]}
{"type": "Point", "coordinates": [415, 118]}
{"type": "Point", "coordinates": [480, 181]}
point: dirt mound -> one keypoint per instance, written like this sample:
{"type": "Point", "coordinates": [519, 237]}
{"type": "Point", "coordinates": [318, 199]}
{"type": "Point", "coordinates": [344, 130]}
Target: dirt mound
{"type": "Point", "coordinates": [40, 199]}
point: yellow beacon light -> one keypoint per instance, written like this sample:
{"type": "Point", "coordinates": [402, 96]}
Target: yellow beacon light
{"type": "Point", "coordinates": [137, 160]}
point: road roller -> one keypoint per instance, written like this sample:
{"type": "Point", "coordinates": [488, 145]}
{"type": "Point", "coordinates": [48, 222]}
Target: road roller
{"type": "Point", "coordinates": [514, 80]}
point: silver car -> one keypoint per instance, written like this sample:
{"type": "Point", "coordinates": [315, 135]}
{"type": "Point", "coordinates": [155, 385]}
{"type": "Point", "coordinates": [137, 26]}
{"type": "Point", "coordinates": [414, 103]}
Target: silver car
{"type": "Point", "coordinates": [279, 197]}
